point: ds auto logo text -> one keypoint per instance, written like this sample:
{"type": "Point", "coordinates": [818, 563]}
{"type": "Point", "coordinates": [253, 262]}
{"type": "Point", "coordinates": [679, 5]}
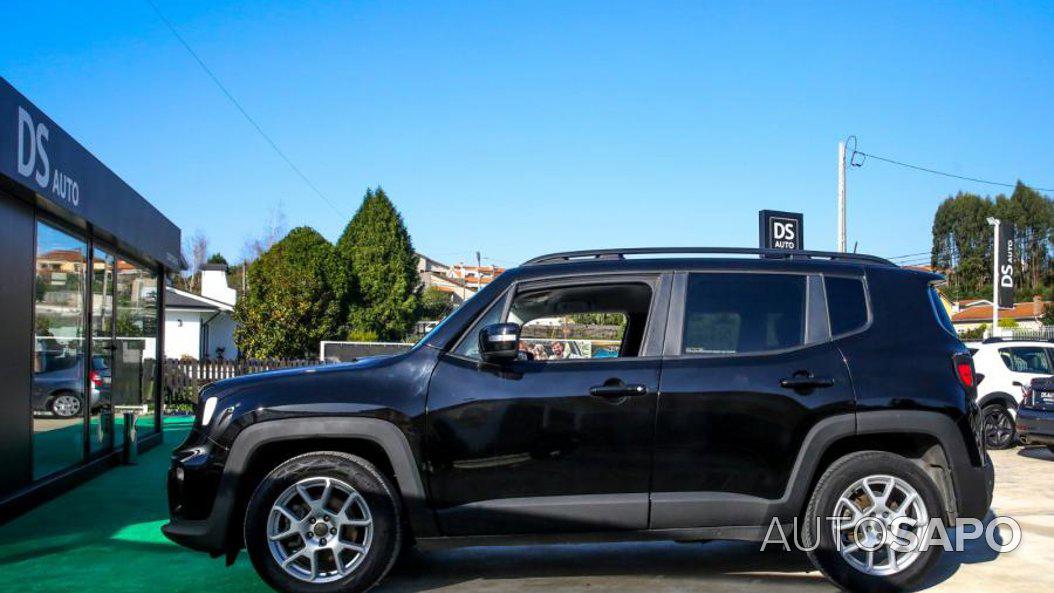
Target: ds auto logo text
{"type": "Point", "coordinates": [33, 162]}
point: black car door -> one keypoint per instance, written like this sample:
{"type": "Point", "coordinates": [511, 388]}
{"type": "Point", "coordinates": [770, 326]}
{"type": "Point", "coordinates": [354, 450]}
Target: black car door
{"type": "Point", "coordinates": [562, 442]}
{"type": "Point", "coordinates": [749, 369]}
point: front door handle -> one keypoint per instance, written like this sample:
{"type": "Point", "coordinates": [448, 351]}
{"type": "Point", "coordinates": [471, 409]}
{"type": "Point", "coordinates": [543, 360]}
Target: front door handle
{"type": "Point", "coordinates": [803, 382]}
{"type": "Point", "coordinates": [614, 391]}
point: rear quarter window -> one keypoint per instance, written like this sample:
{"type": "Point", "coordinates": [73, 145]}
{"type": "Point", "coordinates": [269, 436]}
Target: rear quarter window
{"type": "Point", "coordinates": [846, 304]}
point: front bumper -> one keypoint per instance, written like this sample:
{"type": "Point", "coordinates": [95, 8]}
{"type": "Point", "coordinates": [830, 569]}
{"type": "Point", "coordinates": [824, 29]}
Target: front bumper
{"type": "Point", "coordinates": [1035, 427]}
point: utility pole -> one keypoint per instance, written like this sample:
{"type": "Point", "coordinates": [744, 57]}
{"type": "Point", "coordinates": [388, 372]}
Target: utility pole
{"type": "Point", "coordinates": [479, 272]}
{"type": "Point", "coordinates": [841, 197]}
{"type": "Point", "coordinates": [995, 275]}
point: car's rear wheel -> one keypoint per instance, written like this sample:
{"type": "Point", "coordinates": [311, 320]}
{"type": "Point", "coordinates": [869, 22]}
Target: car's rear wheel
{"type": "Point", "coordinates": [999, 431]}
{"type": "Point", "coordinates": [1051, 449]}
{"type": "Point", "coordinates": [323, 522]}
{"type": "Point", "coordinates": [858, 504]}
{"type": "Point", "coordinates": [66, 405]}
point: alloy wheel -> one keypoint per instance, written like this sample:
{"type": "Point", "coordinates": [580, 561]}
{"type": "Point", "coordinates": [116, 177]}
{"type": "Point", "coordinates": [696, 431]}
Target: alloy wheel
{"type": "Point", "coordinates": [66, 405]}
{"type": "Point", "coordinates": [319, 530]}
{"type": "Point", "coordinates": [998, 428]}
{"type": "Point", "coordinates": [864, 526]}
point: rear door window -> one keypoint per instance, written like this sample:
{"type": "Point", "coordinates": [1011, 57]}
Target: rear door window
{"type": "Point", "coordinates": [846, 304]}
{"type": "Point", "coordinates": [743, 313]}
{"type": "Point", "coordinates": [1026, 359]}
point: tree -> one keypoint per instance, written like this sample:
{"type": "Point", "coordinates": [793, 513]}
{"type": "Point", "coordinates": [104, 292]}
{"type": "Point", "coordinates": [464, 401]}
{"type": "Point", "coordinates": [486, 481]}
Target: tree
{"type": "Point", "coordinates": [195, 250]}
{"type": "Point", "coordinates": [298, 295]}
{"type": "Point", "coordinates": [435, 304]}
{"type": "Point", "coordinates": [377, 246]}
{"type": "Point", "coordinates": [217, 258]}
{"type": "Point", "coordinates": [962, 243]}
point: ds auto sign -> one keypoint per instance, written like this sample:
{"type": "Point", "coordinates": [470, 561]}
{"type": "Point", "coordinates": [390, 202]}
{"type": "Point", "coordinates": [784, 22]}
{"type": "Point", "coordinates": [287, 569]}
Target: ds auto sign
{"type": "Point", "coordinates": [33, 161]}
{"type": "Point", "coordinates": [1005, 265]}
{"type": "Point", "coordinates": [781, 230]}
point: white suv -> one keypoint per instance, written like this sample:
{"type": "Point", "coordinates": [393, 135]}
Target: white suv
{"type": "Point", "coordinates": [1007, 366]}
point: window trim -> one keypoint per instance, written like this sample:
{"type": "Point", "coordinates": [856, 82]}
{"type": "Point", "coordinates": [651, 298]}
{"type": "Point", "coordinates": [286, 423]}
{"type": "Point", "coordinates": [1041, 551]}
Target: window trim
{"type": "Point", "coordinates": [867, 304]}
{"type": "Point", "coordinates": [654, 328]}
{"type": "Point", "coordinates": [673, 348]}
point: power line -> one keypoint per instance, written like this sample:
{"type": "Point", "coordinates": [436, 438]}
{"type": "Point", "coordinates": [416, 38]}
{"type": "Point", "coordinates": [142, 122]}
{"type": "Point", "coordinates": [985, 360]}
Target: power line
{"type": "Point", "coordinates": [936, 172]}
{"type": "Point", "coordinates": [241, 109]}
{"type": "Point", "coordinates": [907, 255]}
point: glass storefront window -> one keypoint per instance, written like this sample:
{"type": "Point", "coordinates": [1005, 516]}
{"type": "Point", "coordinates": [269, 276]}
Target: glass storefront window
{"type": "Point", "coordinates": [100, 419]}
{"type": "Point", "coordinates": [58, 397]}
{"type": "Point", "coordinates": [135, 357]}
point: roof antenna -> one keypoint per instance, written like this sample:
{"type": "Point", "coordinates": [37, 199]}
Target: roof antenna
{"type": "Point", "coordinates": [855, 245]}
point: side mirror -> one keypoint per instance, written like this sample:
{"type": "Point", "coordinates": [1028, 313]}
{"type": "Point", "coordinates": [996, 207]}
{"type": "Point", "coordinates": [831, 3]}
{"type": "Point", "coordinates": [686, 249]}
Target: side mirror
{"type": "Point", "coordinates": [499, 343]}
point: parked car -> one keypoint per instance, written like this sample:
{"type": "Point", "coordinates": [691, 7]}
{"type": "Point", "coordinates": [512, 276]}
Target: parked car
{"type": "Point", "coordinates": [58, 387]}
{"type": "Point", "coordinates": [1035, 417]}
{"type": "Point", "coordinates": [1007, 367]}
{"type": "Point", "coordinates": [791, 386]}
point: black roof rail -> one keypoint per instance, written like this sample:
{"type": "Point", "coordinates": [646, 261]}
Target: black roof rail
{"type": "Point", "coordinates": [594, 254]}
{"type": "Point", "coordinates": [1004, 340]}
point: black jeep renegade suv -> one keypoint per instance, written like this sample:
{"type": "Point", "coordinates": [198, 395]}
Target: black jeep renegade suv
{"type": "Point", "coordinates": [725, 394]}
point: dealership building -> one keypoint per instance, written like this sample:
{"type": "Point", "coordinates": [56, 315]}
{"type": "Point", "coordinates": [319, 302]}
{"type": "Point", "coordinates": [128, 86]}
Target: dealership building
{"type": "Point", "coordinates": [84, 258]}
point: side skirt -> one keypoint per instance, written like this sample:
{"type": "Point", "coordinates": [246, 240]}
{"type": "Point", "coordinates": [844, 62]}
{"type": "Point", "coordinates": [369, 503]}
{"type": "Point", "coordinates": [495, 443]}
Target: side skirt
{"type": "Point", "coordinates": [751, 533]}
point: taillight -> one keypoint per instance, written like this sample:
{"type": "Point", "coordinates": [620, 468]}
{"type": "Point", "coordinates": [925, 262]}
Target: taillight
{"type": "Point", "coordinates": [964, 369]}
{"type": "Point", "coordinates": [95, 379]}
{"type": "Point", "coordinates": [1026, 396]}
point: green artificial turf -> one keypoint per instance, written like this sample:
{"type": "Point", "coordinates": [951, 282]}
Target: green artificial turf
{"type": "Point", "coordinates": [106, 536]}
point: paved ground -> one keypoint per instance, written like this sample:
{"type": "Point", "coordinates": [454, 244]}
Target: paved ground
{"type": "Point", "coordinates": [104, 536]}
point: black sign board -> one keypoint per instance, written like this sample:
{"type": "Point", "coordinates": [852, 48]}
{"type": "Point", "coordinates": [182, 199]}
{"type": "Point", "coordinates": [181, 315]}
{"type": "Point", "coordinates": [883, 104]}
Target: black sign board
{"type": "Point", "coordinates": [39, 156]}
{"type": "Point", "coordinates": [1005, 265]}
{"type": "Point", "coordinates": [781, 230]}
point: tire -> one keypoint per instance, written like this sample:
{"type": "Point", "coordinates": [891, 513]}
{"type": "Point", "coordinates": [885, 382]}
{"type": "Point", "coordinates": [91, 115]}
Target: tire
{"type": "Point", "coordinates": [999, 430]}
{"type": "Point", "coordinates": [1051, 449]}
{"type": "Point", "coordinates": [844, 475]}
{"type": "Point", "coordinates": [369, 532]}
{"type": "Point", "coordinates": [66, 404]}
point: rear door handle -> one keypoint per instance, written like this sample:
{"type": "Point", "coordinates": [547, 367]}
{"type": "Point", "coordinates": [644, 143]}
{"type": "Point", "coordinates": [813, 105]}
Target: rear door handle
{"type": "Point", "coordinates": [613, 391]}
{"type": "Point", "coordinates": [806, 382]}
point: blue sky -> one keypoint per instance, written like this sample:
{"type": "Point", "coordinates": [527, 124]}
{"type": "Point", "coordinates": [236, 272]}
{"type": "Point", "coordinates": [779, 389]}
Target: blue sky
{"type": "Point", "coordinates": [518, 128]}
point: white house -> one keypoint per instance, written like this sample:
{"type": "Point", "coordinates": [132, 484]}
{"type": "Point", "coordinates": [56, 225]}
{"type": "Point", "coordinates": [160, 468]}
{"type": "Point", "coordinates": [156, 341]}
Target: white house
{"type": "Point", "coordinates": [201, 326]}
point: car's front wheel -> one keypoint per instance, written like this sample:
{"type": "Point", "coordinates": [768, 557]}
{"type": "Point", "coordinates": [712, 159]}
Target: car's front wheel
{"type": "Point", "coordinates": [323, 522]}
{"type": "Point", "coordinates": [858, 505]}
{"type": "Point", "coordinates": [999, 431]}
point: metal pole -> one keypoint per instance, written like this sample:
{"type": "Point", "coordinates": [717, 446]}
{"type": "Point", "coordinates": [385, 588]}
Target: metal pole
{"type": "Point", "coordinates": [995, 276]}
{"type": "Point", "coordinates": [841, 197]}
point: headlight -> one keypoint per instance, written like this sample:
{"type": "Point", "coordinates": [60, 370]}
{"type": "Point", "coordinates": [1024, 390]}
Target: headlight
{"type": "Point", "coordinates": [207, 411]}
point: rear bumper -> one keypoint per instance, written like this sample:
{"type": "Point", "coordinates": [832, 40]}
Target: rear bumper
{"type": "Point", "coordinates": [1035, 427]}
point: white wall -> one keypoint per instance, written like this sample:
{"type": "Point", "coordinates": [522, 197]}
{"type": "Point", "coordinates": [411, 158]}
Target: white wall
{"type": "Point", "coordinates": [182, 334]}
{"type": "Point", "coordinates": [221, 335]}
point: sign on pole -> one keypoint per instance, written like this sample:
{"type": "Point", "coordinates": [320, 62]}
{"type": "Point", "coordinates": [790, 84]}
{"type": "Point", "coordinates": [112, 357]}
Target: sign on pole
{"type": "Point", "coordinates": [781, 230]}
{"type": "Point", "coordinates": [1005, 266]}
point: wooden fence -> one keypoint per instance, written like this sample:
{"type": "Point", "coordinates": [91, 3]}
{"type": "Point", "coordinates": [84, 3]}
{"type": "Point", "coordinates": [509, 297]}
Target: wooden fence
{"type": "Point", "coordinates": [185, 378]}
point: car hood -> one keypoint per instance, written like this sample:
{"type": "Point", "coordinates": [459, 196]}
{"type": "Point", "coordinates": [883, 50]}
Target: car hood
{"type": "Point", "coordinates": [227, 388]}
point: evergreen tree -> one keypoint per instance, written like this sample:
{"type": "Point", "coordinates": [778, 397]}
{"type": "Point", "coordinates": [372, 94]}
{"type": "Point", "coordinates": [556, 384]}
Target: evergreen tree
{"type": "Point", "coordinates": [378, 248]}
{"type": "Point", "coordinates": [298, 294]}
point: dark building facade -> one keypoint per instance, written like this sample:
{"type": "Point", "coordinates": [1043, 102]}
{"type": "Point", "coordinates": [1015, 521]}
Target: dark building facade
{"type": "Point", "coordinates": [83, 261]}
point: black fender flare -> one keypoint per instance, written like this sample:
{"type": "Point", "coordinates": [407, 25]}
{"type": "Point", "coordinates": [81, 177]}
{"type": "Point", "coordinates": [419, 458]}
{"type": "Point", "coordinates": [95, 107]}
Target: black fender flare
{"type": "Point", "coordinates": [998, 397]}
{"type": "Point", "coordinates": [213, 534]}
